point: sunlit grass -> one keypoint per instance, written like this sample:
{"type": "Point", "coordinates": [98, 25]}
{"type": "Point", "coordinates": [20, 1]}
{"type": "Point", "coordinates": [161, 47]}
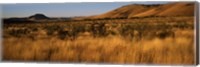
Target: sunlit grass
{"type": "Point", "coordinates": [179, 50]}
{"type": "Point", "coordinates": [128, 41]}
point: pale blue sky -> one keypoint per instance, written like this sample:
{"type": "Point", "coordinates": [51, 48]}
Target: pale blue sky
{"type": "Point", "coordinates": [63, 9]}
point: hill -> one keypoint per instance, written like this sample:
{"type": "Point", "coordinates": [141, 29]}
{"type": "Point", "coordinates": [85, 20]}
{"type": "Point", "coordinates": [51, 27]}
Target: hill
{"type": "Point", "coordinates": [38, 17]}
{"type": "Point", "coordinates": [127, 11]}
{"type": "Point", "coordinates": [140, 10]}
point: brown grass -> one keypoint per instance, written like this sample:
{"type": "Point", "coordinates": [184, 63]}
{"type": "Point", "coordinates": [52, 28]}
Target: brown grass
{"type": "Point", "coordinates": [112, 49]}
{"type": "Point", "coordinates": [155, 40]}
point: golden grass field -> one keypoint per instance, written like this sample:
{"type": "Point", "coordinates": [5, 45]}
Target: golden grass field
{"type": "Point", "coordinates": [168, 40]}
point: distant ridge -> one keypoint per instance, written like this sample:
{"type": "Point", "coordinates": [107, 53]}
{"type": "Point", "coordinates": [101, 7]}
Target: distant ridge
{"type": "Point", "coordinates": [34, 18]}
{"type": "Point", "coordinates": [127, 11]}
{"type": "Point", "coordinates": [141, 10]}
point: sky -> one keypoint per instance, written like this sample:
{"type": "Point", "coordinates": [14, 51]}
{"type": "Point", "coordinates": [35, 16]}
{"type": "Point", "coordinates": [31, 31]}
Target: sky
{"type": "Point", "coordinates": [63, 9]}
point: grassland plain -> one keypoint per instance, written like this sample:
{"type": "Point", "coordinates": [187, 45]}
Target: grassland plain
{"type": "Point", "coordinates": [151, 40]}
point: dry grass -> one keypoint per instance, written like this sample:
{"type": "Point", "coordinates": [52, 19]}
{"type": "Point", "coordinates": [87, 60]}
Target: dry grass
{"type": "Point", "coordinates": [167, 40]}
{"type": "Point", "coordinates": [112, 49]}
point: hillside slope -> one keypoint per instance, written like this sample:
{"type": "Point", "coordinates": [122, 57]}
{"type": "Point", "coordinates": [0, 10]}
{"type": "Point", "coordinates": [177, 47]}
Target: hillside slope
{"type": "Point", "coordinates": [138, 10]}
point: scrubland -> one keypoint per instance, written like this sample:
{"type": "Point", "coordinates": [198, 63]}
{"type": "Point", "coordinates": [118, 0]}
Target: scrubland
{"type": "Point", "coordinates": [154, 40]}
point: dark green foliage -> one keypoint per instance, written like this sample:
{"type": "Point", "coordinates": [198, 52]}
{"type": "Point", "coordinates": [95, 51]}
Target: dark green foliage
{"type": "Point", "coordinates": [52, 29]}
{"type": "Point", "coordinates": [146, 27]}
{"type": "Point", "coordinates": [19, 32]}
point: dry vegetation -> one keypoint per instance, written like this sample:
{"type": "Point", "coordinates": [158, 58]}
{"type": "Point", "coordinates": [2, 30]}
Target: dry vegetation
{"type": "Point", "coordinates": [155, 40]}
